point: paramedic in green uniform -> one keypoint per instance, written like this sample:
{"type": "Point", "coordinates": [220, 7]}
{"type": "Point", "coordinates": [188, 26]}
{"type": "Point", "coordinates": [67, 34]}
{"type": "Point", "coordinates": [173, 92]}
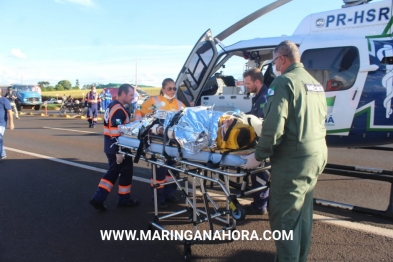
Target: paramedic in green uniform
{"type": "Point", "coordinates": [293, 136]}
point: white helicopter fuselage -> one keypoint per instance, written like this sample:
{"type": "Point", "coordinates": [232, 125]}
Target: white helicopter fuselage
{"type": "Point", "coordinates": [349, 51]}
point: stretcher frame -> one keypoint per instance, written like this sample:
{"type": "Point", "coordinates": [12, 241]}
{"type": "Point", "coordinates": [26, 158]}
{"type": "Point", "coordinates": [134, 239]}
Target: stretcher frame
{"type": "Point", "coordinates": [199, 175]}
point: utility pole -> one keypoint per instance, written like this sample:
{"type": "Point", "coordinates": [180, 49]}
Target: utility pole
{"type": "Point", "coordinates": [21, 74]}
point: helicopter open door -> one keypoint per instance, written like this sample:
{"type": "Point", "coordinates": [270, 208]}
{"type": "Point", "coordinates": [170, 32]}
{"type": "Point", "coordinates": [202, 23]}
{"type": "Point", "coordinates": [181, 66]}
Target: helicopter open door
{"type": "Point", "coordinates": [196, 69]}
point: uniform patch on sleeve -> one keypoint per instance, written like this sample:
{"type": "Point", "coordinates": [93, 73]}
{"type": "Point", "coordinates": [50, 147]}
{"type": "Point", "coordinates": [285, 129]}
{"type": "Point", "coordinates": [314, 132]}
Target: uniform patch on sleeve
{"type": "Point", "coordinates": [118, 121]}
{"type": "Point", "coordinates": [314, 88]}
{"type": "Point", "coordinates": [270, 92]}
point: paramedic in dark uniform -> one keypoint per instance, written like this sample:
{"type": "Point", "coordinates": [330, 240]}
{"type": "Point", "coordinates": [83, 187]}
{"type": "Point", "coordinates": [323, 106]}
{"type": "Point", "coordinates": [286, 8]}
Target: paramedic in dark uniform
{"type": "Point", "coordinates": [92, 107]}
{"type": "Point", "coordinates": [115, 115]}
{"type": "Point", "coordinates": [293, 136]}
{"type": "Point", "coordinates": [253, 81]}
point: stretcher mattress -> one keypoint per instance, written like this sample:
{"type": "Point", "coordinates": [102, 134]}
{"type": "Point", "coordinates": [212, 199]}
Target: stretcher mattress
{"type": "Point", "coordinates": [232, 159]}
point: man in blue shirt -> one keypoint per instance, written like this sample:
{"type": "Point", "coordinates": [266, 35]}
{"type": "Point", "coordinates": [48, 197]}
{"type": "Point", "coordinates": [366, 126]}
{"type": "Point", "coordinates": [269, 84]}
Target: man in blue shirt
{"type": "Point", "coordinates": [253, 81]}
{"type": "Point", "coordinates": [5, 116]}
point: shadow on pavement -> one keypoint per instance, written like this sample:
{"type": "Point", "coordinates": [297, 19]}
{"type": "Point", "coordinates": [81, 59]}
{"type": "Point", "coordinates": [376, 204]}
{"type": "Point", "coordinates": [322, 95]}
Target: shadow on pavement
{"type": "Point", "coordinates": [45, 216]}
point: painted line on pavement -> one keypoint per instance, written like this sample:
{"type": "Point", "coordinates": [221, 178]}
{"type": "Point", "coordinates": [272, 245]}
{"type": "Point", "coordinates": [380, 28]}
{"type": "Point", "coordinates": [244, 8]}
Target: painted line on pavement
{"type": "Point", "coordinates": [319, 218]}
{"type": "Point", "coordinates": [71, 130]}
{"type": "Point", "coordinates": [355, 225]}
{"type": "Point", "coordinates": [330, 220]}
{"type": "Point", "coordinates": [100, 170]}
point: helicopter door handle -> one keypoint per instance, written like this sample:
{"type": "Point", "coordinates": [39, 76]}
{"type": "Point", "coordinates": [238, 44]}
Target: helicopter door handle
{"type": "Point", "coordinates": [368, 68]}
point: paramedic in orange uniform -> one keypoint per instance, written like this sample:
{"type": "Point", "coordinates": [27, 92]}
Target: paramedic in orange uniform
{"type": "Point", "coordinates": [120, 166]}
{"type": "Point", "coordinates": [165, 101]}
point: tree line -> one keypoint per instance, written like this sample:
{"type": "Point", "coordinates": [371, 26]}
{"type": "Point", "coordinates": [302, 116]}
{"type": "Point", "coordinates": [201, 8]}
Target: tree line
{"type": "Point", "coordinates": [64, 85]}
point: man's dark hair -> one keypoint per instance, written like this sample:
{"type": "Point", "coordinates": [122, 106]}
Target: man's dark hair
{"type": "Point", "coordinates": [124, 88]}
{"type": "Point", "coordinates": [254, 74]}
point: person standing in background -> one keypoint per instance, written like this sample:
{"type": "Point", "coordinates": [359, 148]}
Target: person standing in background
{"type": "Point", "coordinates": [5, 117]}
{"type": "Point", "coordinates": [92, 107]}
{"type": "Point", "coordinates": [12, 98]}
{"type": "Point", "coordinates": [103, 101]}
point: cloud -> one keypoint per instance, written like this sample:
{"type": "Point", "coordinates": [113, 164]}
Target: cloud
{"type": "Point", "coordinates": [148, 78]}
{"type": "Point", "coordinates": [15, 52]}
{"type": "Point", "coordinates": [87, 3]}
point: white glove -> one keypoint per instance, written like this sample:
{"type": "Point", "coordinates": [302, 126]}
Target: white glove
{"type": "Point", "coordinates": [251, 162]}
{"type": "Point", "coordinates": [171, 133]}
{"type": "Point", "coordinates": [119, 158]}
{"type": "Point", "coordinates": [154, 129]}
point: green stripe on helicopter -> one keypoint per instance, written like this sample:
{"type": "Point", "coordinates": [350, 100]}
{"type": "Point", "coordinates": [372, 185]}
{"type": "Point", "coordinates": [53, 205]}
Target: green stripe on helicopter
{"type": "Point", "coordinates": [367, 111]}
{"type": "Point", "coordinates": [330, 104]}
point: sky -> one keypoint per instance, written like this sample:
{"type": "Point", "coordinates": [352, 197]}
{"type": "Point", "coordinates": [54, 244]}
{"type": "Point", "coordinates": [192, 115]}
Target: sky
{"type": "Point", "coordinates": [101, 41]}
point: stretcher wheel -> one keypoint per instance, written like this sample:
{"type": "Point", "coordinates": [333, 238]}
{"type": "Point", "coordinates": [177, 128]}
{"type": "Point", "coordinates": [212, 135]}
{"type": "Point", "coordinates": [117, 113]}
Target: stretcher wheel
{"type": "Point", "coordinates": [239, 214]}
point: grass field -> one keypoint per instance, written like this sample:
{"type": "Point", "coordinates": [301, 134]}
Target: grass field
{"type": "Point", "coordinates": [78, 94]}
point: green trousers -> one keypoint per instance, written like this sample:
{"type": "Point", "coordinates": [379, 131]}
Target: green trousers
{"type": "Point", "coordinates": [294, 176]}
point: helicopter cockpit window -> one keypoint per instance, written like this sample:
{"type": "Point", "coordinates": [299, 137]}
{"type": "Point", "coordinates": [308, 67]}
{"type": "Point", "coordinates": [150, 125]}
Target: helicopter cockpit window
{"type": "Point", "coordinates": [199, 64]}
{"type": "Point", "coordinates": [335, 68]}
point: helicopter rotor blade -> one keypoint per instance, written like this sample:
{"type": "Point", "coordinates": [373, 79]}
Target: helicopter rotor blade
{"type": "Point", "coordinates": [250, 18]}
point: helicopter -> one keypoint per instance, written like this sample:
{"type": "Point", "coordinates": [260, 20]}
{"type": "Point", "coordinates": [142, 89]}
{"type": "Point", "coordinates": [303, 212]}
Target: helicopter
{"type": "Point", "coordinates": [348, 50]}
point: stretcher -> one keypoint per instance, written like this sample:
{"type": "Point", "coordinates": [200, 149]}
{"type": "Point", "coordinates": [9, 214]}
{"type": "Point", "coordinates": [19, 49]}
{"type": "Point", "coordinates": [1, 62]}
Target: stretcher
{"type": "Point", "coordinates": [196, 169]}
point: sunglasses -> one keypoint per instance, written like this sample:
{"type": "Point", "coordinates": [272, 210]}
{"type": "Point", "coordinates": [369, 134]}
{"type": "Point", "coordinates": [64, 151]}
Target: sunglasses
{"type": "Point", "coordinates": [273, 62]}
{"type": "Point", "coordinates": [171, 88]}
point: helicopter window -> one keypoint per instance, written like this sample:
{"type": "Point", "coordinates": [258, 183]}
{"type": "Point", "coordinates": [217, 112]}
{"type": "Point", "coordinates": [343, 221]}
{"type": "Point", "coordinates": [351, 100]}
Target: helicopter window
{"type": "Point", "coordinates": [335, 68]}
{"type": "Point", "coordinates": [268, 75]}
{"type": "Point", "coordinates": [198, 65]}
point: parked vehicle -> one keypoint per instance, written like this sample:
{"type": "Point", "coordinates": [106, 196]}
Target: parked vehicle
{"type": "Point", "coordinates": [53, 101]}
{"type": "Point", "coordinates": [72, 107]}
{"type": "Point", "coordinates": [28, 96]}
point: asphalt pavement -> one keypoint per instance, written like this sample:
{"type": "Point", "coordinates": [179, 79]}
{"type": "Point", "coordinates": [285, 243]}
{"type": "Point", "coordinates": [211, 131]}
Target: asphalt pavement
{"type": "Point", "coordinates": [54, 165]}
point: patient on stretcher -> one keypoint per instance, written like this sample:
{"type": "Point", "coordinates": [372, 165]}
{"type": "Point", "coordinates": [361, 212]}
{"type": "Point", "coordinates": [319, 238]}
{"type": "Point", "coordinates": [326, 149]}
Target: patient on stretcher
{"type": "Point", "coordinates": [200, 128]}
